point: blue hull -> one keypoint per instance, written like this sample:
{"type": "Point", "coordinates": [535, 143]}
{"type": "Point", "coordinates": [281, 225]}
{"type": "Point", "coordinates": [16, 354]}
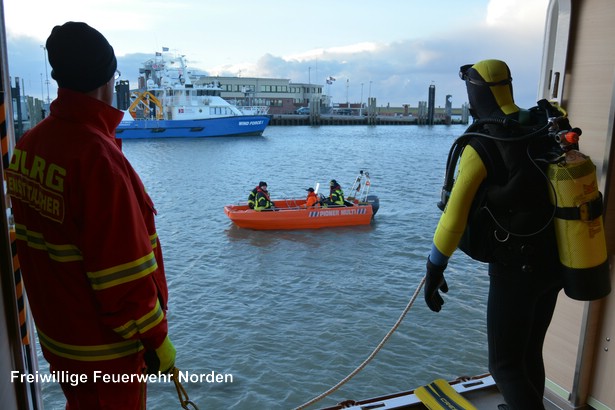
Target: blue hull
{"type": "Point", "coordinates": [212, 127]}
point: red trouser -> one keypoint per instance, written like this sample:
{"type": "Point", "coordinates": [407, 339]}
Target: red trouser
{"type": "Point", "coordinates": [105, 396]}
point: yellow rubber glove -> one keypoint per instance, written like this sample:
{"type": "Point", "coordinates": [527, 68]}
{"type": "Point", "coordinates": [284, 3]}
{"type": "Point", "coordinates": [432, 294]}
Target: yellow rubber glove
{"type": "Point", "coordinates": [162, 359]}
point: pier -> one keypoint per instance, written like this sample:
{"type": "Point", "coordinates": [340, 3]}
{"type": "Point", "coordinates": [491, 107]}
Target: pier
{"type": "Point", "coordinates": [374, 115]}
{"type": "Point", "coordinates": [328, 119]}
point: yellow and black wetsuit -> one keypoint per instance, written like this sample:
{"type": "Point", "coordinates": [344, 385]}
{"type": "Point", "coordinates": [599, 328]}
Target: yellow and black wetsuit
{"type": "Point", "coordinates": [472, 172]}
{"type": "Point", "coordinates": [524, 270]}
{"type": "Point", "coordinates": [524, 277]}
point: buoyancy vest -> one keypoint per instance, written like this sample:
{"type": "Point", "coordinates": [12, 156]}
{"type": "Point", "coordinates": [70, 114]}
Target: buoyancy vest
{"type": "Point", "coordinates": [511, 212]}
{"type": "Point", "coordinates": [539, 204]}
{"type": "Point", "coordinates": [510, 221]}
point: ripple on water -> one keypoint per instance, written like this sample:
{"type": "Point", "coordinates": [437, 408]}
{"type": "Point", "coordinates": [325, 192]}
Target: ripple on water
{"type": "Point", "coordinates": [290, 314]}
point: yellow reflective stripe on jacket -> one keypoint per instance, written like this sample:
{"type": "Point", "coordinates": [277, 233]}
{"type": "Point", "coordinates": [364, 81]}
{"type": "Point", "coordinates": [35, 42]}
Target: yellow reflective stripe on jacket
{"type": "Point", "coordinates": [93, 353]}
{"type": "Point", "coordinates": [58, 253]}
{"type": "Point", "coordinates": [337, 197]}
{"type": "Point", "coordinates": [143, 324]}
{"type": "Point", "coordinates": [154, 240]}
{"type": "Point", "coordinates": [126, 272]}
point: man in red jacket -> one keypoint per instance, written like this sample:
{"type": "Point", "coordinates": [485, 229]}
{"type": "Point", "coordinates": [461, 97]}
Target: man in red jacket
{"type": "Point", "coordinates": [312, 198]}
{"type": "Point", "coordinates": [87, 242]}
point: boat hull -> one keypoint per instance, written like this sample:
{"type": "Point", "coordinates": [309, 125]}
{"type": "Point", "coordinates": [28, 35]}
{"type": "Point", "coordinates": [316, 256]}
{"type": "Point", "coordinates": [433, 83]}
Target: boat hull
{"type": "Point", "coordinates": [292, 214]}
{"type": "Point", "coordinates": [211, 127]}
{"type": "Point", "coordinates": [480, 390]}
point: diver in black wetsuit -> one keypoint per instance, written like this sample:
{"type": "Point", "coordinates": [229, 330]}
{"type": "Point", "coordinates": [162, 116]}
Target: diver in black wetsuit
{"type": "Point", "coordinates": [523, 270]}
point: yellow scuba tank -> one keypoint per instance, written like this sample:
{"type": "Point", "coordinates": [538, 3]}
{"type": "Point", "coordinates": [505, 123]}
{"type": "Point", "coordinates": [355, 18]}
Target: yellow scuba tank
{"type": "Point", "coordinates": [578, 225]}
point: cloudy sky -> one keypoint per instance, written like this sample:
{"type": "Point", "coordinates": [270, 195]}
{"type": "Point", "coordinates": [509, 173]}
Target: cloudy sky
{"type": "Point", "coordinates": [392, 50]}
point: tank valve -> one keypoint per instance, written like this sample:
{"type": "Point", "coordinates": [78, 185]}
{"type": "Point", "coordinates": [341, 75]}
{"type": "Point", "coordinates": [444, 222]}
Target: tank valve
{"type": "Point", "coordinates": [568, 139]}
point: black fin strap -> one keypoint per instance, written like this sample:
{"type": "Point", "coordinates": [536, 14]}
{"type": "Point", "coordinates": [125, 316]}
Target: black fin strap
{"type": "Point", "coordinates": [587, 211]}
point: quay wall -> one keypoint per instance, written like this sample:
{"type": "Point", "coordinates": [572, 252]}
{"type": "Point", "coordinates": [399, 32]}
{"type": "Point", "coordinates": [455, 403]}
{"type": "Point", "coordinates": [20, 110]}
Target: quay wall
{"type": "Point", "coordinates": [292, 119]}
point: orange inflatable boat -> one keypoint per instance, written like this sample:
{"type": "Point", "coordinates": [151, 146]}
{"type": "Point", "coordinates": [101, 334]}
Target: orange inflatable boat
{"type": "Point", "coordinates": [294, 214]}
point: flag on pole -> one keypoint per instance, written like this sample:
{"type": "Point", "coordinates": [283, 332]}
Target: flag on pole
{"type": "Point", "coordinates": [165, 48]}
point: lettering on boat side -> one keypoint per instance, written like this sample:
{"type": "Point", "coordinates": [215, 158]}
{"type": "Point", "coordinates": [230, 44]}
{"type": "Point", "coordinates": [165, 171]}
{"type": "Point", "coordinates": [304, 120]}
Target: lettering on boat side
{"type": "Point", "coordinates": [336, 212]}
{"type": "Point", "coordinates": [259, 122]}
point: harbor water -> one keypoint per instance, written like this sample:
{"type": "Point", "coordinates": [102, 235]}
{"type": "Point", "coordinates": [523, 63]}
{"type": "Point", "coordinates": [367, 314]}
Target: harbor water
{"type": "Point", "coordinates": [286, 315]}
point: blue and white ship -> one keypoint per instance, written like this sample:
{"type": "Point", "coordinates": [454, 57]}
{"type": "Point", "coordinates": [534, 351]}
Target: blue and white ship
{"type": "Point", "coordinates": [171, 102]}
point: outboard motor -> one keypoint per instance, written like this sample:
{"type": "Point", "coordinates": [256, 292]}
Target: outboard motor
{"type": "Point", "coordinates": [374, 202]}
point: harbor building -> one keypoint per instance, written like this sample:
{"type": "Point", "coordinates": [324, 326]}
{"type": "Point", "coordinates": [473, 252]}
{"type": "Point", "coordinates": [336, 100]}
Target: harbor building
{"type": "Point", "coordinates": [280, 95]}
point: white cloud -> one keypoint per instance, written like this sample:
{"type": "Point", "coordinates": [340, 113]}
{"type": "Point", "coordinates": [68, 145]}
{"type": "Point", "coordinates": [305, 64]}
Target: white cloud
{"type": "Point", "coordinates": [510, 13]}
{"type": "Point", "coordinates": [336, 50]}
{"type": "Point", "coordinates": [399, 57]}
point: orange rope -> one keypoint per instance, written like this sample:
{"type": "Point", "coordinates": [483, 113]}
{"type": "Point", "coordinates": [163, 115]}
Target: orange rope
{"type": "Point", "coordinates": [184, 400]}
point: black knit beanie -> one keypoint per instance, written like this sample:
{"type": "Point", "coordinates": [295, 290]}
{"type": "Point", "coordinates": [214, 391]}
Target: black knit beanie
{"type": "Point", "coordinates": [81, 58]}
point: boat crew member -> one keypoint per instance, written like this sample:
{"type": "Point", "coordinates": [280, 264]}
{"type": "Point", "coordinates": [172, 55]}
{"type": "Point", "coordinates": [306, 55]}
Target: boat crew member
{"type": "Point", "coordinates": [336, 195]}
{"type": "Point", "coordinates": [262, 201]}
{"type": "Point", "coordinates": [312, 198]}
{"type": "Point", "coordinates": [252, 196]}
{"type": "Point", "coordinates": [87, 241]}
{"type": "Point", "coordinates": [524, 281]}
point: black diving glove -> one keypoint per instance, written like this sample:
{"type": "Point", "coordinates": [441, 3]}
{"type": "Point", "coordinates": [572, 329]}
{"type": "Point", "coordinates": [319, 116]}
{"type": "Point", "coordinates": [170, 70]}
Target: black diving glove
{"type": "Point", "coordinates": [434, 281]}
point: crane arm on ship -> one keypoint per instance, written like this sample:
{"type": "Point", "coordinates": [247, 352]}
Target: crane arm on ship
{"type": "Point", "coordinates": [142, 100]}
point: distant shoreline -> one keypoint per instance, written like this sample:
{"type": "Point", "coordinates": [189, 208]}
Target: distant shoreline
{"type": "Point", "coordinates": [327, 119]}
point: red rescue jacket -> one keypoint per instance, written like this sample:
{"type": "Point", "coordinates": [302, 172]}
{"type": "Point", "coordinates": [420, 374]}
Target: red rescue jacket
{"type": "Point", "coordinates": [87, 242]}
{"type": "Point", "coordinates": [312, 199]}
